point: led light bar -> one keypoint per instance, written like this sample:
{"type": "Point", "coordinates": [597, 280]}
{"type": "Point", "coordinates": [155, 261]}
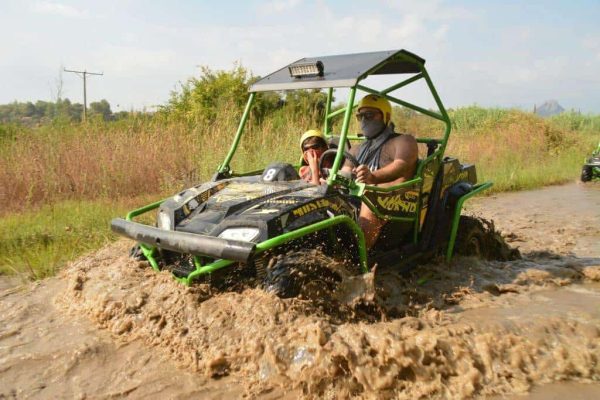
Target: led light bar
{"type": "Point", "coordinates": [301, 70]}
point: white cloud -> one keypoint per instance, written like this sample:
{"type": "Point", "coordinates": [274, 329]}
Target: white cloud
{"type": "Point", "coordinates": [278, 6]}
{"type": "Point", "coordinates": [592, 43]}
{"type": "Point", "coordinates": [46, 7]}
{"type": "Point", "coordinates": [434, 10]}
{"type": "Point", "coordinates": [408, 28]}
{"type": "Point", "coordinates": [369, 31]}
{"type": "Point", "coordinates": [441, 32]}
{"type": "Point", "coordinates": [128, 59]}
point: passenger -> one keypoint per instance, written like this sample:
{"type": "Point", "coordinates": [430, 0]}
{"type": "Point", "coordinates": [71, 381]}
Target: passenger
{"type": "Point", "coordinates": [386, 158]}
{"type": "Point", "coordinates": [313, 145]}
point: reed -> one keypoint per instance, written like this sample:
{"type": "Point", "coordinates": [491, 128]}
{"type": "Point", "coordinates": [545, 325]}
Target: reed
{"type": "Point", "coordinates": [60, 184]}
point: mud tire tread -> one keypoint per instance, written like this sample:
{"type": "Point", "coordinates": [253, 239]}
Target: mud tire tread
{"type": "Point", "coordinates": [293, 274]}
{"type": "Point", "coordinates": [478, 237]}
{"type": "Point", "coordinates": [586, 174]}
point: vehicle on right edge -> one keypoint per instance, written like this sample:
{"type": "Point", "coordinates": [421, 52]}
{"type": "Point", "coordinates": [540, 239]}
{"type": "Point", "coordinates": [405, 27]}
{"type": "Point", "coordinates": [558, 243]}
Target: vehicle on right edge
{"type": "Point", "coordinates": [591, 168]}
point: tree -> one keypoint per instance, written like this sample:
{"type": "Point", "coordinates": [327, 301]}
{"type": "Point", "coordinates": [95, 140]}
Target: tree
{"type": "Point", "coordinates": [202, 99]}
{"type": "Point", "coordinates": [28, 113]}
{"type": "Point", "coordinates": [309, 103]}
{"type": "Point", "coordinates": [101, 108]}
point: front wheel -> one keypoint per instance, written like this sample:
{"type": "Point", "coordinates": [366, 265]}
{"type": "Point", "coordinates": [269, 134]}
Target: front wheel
{"type": "Point", "coordinates": [307, 274]}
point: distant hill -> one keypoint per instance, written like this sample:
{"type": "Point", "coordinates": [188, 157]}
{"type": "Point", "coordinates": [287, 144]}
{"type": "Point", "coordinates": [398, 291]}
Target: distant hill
{"type": "Point", "coordinates": [548, 108]}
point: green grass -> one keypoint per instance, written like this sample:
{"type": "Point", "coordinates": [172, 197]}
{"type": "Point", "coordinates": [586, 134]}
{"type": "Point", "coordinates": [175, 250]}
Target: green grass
{"type": "Point", "coordinates": [509, 174]}
{"type": "Point", "coordinates": [38, 243]}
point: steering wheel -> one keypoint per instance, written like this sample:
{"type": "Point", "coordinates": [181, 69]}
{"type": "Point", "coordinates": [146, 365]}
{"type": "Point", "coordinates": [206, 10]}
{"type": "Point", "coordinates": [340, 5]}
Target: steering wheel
{"type": "Point", "coordinates": [331, 153]}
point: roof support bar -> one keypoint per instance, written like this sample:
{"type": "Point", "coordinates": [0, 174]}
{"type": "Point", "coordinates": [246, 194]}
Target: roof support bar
{"type": "Point", "coordinates": [327, 125]}
{"type": "Point", "coordinates": [402, 103]}
{"type": "Point", "coordinates": [225, 166]}
{"type": "Point", "coordinates": [340, 154]}
{"type": "Point", "coordinates": [442, 109]}
{"type": "Point", "coordinates": [402, 84]}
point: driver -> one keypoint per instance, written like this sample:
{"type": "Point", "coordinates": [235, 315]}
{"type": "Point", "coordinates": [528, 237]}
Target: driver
{"type": "Point", "coordinates": [385, 158]}
{"type": "Point", "coordinates": [313, 145]}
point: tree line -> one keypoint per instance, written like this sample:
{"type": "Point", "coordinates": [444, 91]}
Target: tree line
{"type": "Point", "coordinates": [198, 100]}
{"type": "Point", "coordinates": [41, 112]}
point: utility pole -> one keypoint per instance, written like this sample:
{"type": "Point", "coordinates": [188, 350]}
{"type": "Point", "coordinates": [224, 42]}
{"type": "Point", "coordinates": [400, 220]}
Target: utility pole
{"type": "Point", "coordinates": [83, 74]}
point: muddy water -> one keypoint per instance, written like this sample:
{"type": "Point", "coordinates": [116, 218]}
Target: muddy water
{"type": "Point", "coordinates": [110, 327]}
{"type": "Point", "coordinates": [560, 219]}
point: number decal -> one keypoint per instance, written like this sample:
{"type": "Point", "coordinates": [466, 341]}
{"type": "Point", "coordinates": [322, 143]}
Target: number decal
{"type": "Point", "coordinates": [269, 175]}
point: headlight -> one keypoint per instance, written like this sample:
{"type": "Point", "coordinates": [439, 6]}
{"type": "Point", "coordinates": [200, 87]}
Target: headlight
{"type": "Point", "coordinates": [242, 234]}
{"type": "Point", "coordinates": [164, 221]}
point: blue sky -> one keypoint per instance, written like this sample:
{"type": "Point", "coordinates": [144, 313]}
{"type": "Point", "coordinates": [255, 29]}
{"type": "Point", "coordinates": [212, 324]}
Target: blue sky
{"type": "Point", "coordinates": [491, 53]}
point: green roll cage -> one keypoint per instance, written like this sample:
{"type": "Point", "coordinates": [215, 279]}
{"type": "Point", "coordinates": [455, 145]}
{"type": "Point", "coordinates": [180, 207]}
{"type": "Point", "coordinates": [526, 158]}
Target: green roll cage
{"type": "Point", "coordinates": [356, 189]}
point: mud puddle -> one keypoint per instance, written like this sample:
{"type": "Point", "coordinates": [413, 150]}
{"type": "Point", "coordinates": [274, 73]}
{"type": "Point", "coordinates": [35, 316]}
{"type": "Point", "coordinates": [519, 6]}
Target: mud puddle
{"type": "Point", "coordinates": [48, 354]}
{"type": "Point", "coordinates": [473, 328]}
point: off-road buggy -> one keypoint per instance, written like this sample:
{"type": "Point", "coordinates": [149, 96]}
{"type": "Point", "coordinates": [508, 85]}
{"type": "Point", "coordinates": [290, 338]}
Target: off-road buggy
{"type": "Point", "coordinates": [591, 168]}
{"type": "Point", "coordinates": [255, 226]}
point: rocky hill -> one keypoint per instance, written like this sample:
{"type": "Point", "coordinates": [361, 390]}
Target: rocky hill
{"type": "Point", "coordinates": [549, 108]}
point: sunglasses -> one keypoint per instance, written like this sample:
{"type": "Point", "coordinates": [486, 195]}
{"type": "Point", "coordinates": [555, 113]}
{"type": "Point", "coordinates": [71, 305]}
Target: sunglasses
{"type": "Point", "coordinates": [314, 146]}
{"type": "Point", "coordinates": [368, 115]}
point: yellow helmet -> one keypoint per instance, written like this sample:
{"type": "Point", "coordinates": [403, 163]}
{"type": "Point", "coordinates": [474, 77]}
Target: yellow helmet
{"type": "Point", "coordinates": [311, 133]}
{"type": "Point", "coordinates": [378, 102]}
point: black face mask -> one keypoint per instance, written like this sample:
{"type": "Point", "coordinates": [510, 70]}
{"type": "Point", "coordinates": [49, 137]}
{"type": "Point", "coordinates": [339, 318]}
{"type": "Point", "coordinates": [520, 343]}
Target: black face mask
{"type": "Point", "coordinates": [371, 128]}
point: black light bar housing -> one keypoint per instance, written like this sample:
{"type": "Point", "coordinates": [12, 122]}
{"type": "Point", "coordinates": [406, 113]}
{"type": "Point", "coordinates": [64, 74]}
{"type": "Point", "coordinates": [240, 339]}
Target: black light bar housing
{"type": "Point", "coordinates": [306, 69]}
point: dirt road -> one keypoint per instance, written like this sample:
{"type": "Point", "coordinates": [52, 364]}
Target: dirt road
{"type": "Point", "coordinates": [108, 327]}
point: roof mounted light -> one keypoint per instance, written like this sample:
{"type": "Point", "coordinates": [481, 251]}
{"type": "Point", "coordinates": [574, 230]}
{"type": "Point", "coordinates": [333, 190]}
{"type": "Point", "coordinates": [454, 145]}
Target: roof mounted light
{"type": "Point", "coordinates": [306, 69]}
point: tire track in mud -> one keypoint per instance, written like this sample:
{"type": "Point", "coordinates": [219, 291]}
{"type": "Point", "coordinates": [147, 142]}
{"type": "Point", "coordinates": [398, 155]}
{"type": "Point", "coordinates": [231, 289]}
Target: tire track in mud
{"type": "Point", "coordinates": [468, 329]}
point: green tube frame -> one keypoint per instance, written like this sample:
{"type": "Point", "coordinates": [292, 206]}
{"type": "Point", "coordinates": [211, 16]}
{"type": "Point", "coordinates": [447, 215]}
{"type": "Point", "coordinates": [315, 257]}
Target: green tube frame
{"type": "Point", "coordinates": [456, 219]}
{"type": "Point", "coordinates": [150, 252]}
{"type": "Point", "coordinates": [224, 168]}
{"type": "Point", "coordinates": [286, 237]}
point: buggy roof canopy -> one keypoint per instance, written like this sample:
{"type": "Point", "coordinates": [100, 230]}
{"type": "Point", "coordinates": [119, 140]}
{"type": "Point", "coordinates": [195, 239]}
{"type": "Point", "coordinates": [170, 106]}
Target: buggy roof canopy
{"type": "Point", "coordinates": [344, 70]}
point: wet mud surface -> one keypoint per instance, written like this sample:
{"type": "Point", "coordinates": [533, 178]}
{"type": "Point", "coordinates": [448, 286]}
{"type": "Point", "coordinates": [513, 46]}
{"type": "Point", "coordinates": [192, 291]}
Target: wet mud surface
{"type": "Point", "coordinates": [109, 327]}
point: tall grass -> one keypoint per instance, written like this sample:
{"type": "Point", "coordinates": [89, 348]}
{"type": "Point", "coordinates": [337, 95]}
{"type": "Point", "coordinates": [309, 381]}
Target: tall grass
{"type": "Point", "coordinates": [60, 184]}
{"type": "Point", "coordinates": [127, 158]}
{"type": "Point", "coordinates": [117, 160]}
{"type": "Point", "coordinates": [105, 160]}
{"type": "Point", "coordinates": [514, 149]}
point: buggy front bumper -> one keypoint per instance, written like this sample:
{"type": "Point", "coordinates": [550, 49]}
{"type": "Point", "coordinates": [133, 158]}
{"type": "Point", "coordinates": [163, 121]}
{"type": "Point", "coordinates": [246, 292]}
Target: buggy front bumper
{"type": "Point", "coordinates": [183, 242]}
{"type": "Point", "coordinates": [225, 252]}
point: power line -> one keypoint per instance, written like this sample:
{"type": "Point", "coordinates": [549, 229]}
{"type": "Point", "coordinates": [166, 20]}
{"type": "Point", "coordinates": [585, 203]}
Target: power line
{"type": "Point", "coordinates": [83, 74]}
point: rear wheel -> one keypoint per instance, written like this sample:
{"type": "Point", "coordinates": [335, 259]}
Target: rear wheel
{"type": "Point", "coordinates": [470, 239]}
{"type": "Point", "coordinates": [478, 238]}
{"type": "Point", "coordinates": [586, 173]}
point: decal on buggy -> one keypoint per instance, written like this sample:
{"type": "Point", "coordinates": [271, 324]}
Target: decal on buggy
{"type": "Point", "coordinates": [398, 203]}
{"type": "Point", "coordinates": [245, 192]}
{"type": "Point", "coordinates": [315, 205]}
{"type": "Point", "coordinates": [194, 202]}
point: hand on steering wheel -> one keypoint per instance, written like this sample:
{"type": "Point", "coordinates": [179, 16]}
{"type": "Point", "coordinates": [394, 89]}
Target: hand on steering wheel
{"type": "Point", "coordinates": [331, 153]}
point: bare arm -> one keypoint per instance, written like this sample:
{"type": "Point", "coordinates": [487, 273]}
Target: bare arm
{"type": "Point", "coordinates": [400, 169]}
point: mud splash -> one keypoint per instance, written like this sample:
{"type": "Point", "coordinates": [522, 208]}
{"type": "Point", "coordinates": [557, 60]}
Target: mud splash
{"type": "Point", "coordinates": [472, 328]}
{"type": "Point", "coordinates": [435, 336]}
